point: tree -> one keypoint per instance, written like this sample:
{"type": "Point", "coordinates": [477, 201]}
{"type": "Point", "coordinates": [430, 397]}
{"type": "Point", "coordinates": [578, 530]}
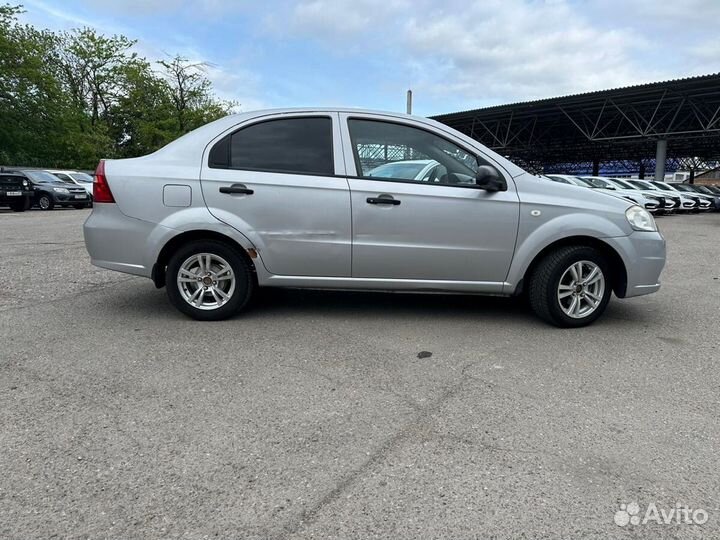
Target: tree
{"type": "Point", "coordinates": [70, 99]}
{"type": "Point", "coordinates": [190, 91]}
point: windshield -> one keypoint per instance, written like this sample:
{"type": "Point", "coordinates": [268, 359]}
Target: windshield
{"type": "Point", "coordinates": [584, 182]}
{"type": "Point", "coordinates": [642, 185]}
{"type": "Point", "coordinates": [42, 177]}
{"type": "Point", "coordinates": [560, 179]}
{"type": "Point", "coordinates": [621, 183]}
{"type": "Point", "coordinates": [597, 183]}
{"type": "Point", "coordinates": [82, 177]}
{"type": "Point", "coordinates": [663, 185]}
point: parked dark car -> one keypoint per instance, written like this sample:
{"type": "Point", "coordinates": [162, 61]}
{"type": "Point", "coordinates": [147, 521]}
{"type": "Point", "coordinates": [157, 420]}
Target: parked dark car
{"type": "Point", "coordinates": [49, 191]}
{"type": "Point", "coordinates": [15, 191]}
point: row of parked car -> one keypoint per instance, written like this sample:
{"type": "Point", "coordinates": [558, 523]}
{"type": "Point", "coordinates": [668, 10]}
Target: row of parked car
{"type": "Point", "coordinates": [656, 197]}
{"type": "Point", "coordinates": [24, 188]}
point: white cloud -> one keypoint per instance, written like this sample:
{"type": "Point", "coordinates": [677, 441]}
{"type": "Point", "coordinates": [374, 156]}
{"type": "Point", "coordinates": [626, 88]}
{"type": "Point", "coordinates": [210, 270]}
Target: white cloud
{"type": "Point", "coordinates": [323, 18]}
{"type": "Point", "coordinates": [504, 50]}
{"type": "Point", "coordinates": [511, 49]}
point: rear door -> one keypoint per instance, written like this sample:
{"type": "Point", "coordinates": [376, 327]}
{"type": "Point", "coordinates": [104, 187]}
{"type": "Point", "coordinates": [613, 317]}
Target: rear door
{"type": "Point", "coordinates": [438, 227]}
{"type": "Point", "coordinates": [280, 181]}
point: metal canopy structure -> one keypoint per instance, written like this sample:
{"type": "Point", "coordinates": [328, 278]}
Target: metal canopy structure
{"type": "Point", "coordinates": [616, 129]}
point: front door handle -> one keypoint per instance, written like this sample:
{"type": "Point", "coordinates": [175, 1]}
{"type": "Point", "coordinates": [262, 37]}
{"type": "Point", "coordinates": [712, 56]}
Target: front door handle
{"type": "Point", "coordinates": [236, 189]}
{"type": "Point", "coordinates": [387, 199]}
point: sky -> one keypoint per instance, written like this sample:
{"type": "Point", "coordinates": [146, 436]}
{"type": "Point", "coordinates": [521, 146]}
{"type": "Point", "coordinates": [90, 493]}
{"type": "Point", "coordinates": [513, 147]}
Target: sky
{"type": "Point", "coordinates": [454, 54]}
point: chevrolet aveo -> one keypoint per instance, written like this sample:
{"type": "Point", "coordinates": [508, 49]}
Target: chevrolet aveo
{"type": "Point", "coordinates": [305, 199]}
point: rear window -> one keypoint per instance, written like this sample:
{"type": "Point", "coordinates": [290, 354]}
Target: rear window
{"type": "Point", "coordinates": [287, 145]}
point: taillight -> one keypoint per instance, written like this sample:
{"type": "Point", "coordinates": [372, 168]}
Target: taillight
{"type": "Point", "coordinates": [101, 189]}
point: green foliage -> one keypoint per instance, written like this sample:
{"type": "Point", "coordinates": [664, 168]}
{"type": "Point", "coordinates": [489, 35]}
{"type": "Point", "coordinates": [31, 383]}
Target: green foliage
{"type": "Point", "coordinates": [69, 99]}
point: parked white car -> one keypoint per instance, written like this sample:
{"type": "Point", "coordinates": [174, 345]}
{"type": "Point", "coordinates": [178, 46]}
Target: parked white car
{"type": "Point", "coordinates": [650, 204]}
{"type": "Point", "coordinates": [78, 178]}
{"type": "Point", "coordinates": [666, 204]}
{"type": "Point", "coordinates": [686, 203]}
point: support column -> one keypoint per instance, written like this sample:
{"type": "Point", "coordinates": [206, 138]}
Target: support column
{"type": "Point", "coordinates": [642, 171]}
{"type": "Point", "coordinates": [660, 155]}
{"type": "Point", "coordinates": [596, 167]}
{"type": "Point", "coordinates": [691, 180]}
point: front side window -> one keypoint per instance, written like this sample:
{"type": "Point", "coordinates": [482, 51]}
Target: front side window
{"type": "Point", "coordinates": [389, 151]}
{"type": "Point", "coordinates": [286, 145]}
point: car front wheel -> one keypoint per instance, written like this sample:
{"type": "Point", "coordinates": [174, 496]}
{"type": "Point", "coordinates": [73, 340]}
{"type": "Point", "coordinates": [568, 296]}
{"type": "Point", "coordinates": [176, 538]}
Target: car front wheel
{"type": "Point", "coordinates": [571, 286]}
{"type": "Point", "coordinates": [45, 202]}
{"type": "Point", "coordinates": [208, 280]}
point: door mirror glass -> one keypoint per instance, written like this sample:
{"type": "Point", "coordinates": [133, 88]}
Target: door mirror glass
{"type": "Point", "coordinates": [490, 179]}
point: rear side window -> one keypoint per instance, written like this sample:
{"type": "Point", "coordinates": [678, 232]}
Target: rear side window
{"type": "Point", "coordinates": [287, 145]}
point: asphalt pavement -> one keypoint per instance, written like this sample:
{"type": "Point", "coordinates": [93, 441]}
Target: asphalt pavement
{"type": "Point", "coordinates": [350, 415]}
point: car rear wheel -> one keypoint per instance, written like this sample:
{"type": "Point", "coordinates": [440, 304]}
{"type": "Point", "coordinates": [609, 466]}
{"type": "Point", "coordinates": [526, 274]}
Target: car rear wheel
{"type": "Point", "coordinates": [570, 287]}
{"type": "Point", "coordinates": [45, 202]}
{"type": "Point", "coordinates": [209, 280]}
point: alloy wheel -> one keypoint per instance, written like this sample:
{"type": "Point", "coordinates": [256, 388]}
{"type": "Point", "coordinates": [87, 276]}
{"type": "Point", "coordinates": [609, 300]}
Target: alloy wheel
{"type": "Point", "coordinates": [581, 289]}
{"type": "Point", "coordinates": [206, 281]}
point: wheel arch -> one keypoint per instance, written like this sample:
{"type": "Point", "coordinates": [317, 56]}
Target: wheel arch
{"type": "Point", "coordinates": [618, 271]}
{"type": "Point", "coordinates": [160, 266]}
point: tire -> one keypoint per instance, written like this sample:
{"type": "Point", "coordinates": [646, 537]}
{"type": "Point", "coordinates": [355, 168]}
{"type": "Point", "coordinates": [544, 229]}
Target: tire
{"type": "Point", "coordinates": [544, 289]}
{"type": "Point", "coordinates": [238, 286]}
{"type": "Point", "coordinates": [20, 206]}
{"type": "Point", "coordinates": [45, 202]}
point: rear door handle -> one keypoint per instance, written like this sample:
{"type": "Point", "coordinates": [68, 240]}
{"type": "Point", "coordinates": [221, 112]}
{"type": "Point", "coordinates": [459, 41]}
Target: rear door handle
{"type": "Point", "coordinates": [236, 189]}
{"type": "Point", "coordinates": [383, 200]}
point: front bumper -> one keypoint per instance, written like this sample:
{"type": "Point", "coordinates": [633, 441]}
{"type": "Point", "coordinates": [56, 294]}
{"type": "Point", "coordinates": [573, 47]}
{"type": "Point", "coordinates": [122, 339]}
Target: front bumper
{"type": "Point", "coordinates": [62, 198]}
{"type": "Point", "coordinates": [644, 256]}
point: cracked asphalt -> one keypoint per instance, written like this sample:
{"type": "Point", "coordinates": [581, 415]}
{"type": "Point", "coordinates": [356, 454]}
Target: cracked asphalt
{"type": "Point", "coordinates": [349, 415]}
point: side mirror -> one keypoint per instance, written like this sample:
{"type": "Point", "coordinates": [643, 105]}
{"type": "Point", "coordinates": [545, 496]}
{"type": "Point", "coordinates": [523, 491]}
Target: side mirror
{"type": "Point", "coordinates": [490, 179]}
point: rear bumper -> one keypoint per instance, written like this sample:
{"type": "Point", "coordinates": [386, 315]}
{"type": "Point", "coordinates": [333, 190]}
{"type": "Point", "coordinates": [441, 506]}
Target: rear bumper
{"type": "Point", "coordinates": [644, 257]}
{"type": "Point", "coordinates": [116, 241]}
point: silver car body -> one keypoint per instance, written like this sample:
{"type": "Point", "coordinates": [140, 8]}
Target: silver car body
{"type": "Point", "coordinates": [318, 232]}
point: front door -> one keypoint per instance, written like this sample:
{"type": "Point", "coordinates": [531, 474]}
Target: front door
{"type": "Point", "coordinates": [416, 212]}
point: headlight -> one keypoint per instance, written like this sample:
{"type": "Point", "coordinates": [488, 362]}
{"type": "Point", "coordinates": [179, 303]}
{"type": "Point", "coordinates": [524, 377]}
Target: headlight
{"type": "Point", "coordinates": [25, 184]}
{"type": "Point", "coordinates": [62, 190]}
{"type": "Point", "coordinates": [640, 219]}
